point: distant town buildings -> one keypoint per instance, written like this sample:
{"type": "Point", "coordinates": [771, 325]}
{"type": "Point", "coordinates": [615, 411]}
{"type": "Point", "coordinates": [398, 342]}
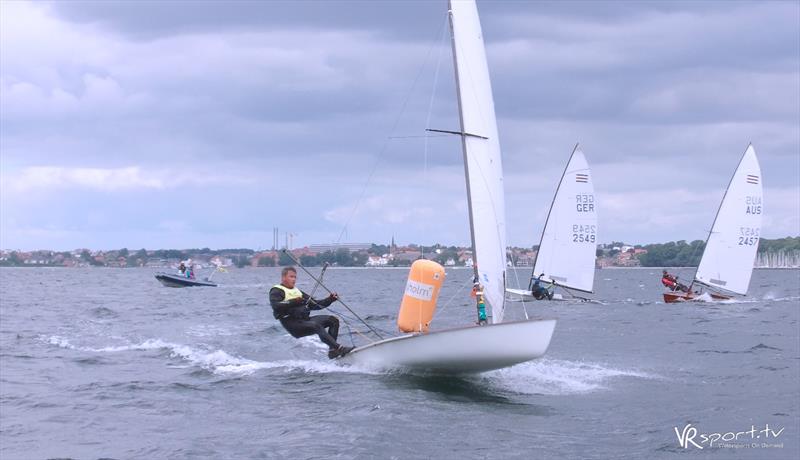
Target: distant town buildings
{"type": "Point", "coordinates": [775, 254]}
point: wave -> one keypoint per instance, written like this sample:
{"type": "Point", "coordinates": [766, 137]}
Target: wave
{"type": "Point", "coordinates": [103, 312]}
{"type": "Point", "coordinates": [559, 377]}
{"type": "Point", "coordinates": [208, 330]}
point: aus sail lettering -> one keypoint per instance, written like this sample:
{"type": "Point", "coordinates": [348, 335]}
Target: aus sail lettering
{"type": "Point", "coordinates": [584, 202]}
{"type": "Point", "coordinates": [753, 205]}
{"type": "Point", "coordinates": [748, 236]}
{"type": "Point", "coordinates": [584, 233]}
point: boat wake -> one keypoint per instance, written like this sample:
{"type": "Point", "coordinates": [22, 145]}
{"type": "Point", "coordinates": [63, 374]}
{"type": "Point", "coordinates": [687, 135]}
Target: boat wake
{"type": "Point", "coordinates": [216, 361]}
{"type": "Point", "coordinates": [559, 377]}
{"type": "Point", "coordinates": [773, 298]}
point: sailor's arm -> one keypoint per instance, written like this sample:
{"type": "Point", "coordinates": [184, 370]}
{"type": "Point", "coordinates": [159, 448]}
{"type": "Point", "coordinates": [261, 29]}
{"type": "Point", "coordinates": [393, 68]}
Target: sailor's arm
{"type": "Point", "coordinates": [314, 304]}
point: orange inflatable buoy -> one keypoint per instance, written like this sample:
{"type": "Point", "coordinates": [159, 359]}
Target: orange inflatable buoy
{"type": "Point", "coordinates": [419, 301]}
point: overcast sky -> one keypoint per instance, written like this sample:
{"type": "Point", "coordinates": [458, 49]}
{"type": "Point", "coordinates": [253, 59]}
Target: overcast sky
{"type": "Point", "coordinates": [179, 124]}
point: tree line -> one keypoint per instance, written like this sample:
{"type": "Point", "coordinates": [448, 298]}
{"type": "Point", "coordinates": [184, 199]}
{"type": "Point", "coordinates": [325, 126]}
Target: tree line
{"type": "Point", "coordinates": [683, 254]}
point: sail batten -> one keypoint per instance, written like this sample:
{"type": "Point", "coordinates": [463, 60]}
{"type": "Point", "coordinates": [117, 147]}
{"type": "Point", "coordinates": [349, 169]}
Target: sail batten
{"type": "Point", "coordinates": [568, 246]}
{"type": "Point", "coordinates": [729, 255]}
{"type": "Point", "coordinates": [482, 163]}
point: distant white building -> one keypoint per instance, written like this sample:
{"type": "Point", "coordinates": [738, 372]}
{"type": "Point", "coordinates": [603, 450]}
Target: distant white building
{"type": "Point", "coordinates": [375, 261]}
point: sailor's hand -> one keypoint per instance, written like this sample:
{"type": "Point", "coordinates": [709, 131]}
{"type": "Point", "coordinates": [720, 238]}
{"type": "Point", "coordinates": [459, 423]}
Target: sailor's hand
{"type": "Point", "coordinates": [334, 296]}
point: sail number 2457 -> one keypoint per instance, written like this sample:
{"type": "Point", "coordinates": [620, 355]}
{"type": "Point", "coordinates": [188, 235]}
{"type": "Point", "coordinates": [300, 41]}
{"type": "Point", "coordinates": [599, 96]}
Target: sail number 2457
{"type": "Point", "coordinates": [748, 236]}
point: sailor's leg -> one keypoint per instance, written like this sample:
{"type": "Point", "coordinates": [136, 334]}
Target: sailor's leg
{"type": "Point", "coordinates": [299, 327]}
{"type": "Point", "coordinates": [332, 323]}
{"type": "Point", "coordinates": [324, 326]}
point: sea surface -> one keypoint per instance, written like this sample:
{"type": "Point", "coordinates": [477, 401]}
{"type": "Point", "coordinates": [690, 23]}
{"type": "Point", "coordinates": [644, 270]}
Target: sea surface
{"type": "Point", "coordinates": [107, 363]}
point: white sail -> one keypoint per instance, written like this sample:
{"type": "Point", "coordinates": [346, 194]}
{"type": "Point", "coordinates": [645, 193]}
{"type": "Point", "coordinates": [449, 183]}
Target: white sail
{"type": "Point", "coordinates": [730, 252]}
{"type": "Point", "coordinates": [568, 247]}
{"type": "Point", "coordinates": [481, 153]}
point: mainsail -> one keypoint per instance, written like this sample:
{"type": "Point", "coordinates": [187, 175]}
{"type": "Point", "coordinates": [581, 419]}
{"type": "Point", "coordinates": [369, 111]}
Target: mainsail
{"type": "Point", "coordinates": [484, 169]}
{"type": "Point", "coordinates": [731, 248]}
{"type": "Point", "coordinates": [568, 246]}
{"type": "Point", "coordinates": [732, 244]}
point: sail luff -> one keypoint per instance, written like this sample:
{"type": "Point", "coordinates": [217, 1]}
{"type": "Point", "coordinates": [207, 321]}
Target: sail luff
{"type": "Point", "coordinates": [483, 165]}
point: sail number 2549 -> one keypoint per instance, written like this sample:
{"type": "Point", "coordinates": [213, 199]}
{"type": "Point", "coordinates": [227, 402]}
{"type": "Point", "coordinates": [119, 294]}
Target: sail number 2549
{"type": "Point", "coordinates": [584, 233]}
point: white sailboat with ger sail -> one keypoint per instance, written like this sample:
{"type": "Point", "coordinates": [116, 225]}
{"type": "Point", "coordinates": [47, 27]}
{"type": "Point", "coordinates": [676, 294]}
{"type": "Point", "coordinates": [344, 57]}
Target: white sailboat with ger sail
{"type": "Point", "coordinates": [727, 262]}
{"type": "Point", "coordinates": [568, 247]}
{"type": "Point", "coordinates": [484, 347]}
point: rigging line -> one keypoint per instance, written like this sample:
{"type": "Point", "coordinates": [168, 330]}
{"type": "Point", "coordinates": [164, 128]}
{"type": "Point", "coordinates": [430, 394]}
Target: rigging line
{"type": "Point", "coordinates": [516, 276]}
{"type": "Point", "coordinates": [417, 137]}
{"type": "Point", "coordinates": [433, 98]}
{"type": "Point", "coordinates": [468, 283]}
{"type": "Point", "coordinates": [329, 291]}
{"type": "Point", "coordinates": [350, 333]}
{"type": "Point", "coordinates": [344, 315]}
{"type": "Point", "coordinates": [385, 144]}
{"type": "Point", "coordinates": [585, 299]}
{"type": "Point", "coordinates": [316, 285]}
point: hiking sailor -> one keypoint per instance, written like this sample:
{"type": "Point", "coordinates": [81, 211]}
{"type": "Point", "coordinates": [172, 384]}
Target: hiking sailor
{"type": "Point", "coordinates": [292, 307]}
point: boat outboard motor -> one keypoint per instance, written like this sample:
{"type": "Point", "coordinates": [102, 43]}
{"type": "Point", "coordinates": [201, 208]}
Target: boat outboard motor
{"type": "Point", "coordinates": [419, 301]}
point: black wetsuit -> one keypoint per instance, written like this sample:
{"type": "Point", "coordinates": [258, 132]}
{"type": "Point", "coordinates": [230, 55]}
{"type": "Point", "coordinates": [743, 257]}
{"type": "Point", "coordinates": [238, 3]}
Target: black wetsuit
{"type": "Point", "coordinates": [538, 291]}
{"type": "Point", "coordinates": [295, 316]}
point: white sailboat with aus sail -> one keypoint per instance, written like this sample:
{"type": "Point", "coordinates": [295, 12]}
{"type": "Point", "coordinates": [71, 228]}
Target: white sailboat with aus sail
{"type": "Point", "coordinates": [727, 262]}
{"type": "Point", "coordinates": [485, 346]}
{"type": "Point", "coordinates": [568, 247]}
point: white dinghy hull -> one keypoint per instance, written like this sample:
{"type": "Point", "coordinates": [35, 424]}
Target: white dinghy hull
{"type": "Point", "coordinates": [521, 295]}
{"type": "Point", "coordinates": [466, 350]}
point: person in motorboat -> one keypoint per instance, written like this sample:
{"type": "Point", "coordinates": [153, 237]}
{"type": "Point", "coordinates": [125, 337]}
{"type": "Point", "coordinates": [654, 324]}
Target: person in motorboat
{"type": "Point", "coordinates": [540, 292]}
{"type": "Point", "coordinates": [190, 273]}
{"type": "Point", "coordinates": [292, 307]}
{"type": "Point", "coordinates": [182, 269]}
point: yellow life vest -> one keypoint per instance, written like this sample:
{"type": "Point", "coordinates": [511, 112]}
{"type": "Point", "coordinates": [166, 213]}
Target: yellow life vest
{"type": "Point", "coordinates": [289, 294]}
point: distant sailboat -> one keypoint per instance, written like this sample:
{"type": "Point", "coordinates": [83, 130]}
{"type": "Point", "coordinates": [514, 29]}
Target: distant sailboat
{"type": "Point", "coordinates": [499, 344]}
{"type": "Point", "coordinates": [730, 252]}
{"type": "Point", "coordinates": [568, 247]}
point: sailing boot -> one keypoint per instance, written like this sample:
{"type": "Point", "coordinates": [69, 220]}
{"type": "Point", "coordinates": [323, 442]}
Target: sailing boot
{"type": "Point", "coordinates": [339, 352]}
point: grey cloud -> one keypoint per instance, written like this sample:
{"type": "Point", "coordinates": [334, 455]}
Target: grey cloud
{"type": "Point", "coordinates": [301, 97]}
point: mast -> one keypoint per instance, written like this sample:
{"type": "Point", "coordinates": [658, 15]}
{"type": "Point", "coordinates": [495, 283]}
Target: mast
{"type": "Point", "coordinates": [463, 143]}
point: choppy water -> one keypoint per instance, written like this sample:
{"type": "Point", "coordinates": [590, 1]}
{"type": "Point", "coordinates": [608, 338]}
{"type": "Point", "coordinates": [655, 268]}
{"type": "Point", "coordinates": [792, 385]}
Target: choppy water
{"type": "Point", "coordinates": [108, 363]}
